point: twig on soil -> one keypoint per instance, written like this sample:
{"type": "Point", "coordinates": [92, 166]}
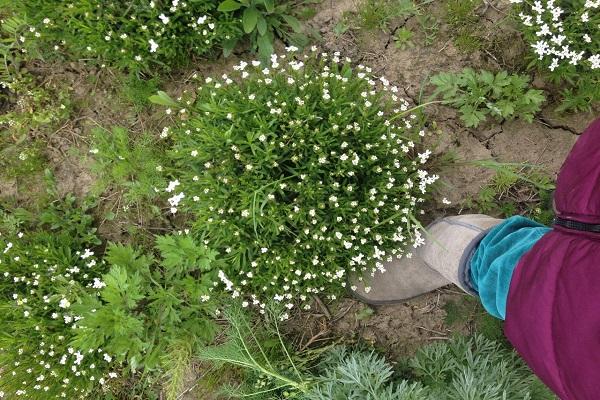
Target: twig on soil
{"type": "Point", "coordinates": [438, 338]}
{"type": "Point", "coordinates": [323, 307]}
{"type": "Point", "coordinates": [430, 330]}
{"type": "Point", "coordinates": [314, 339]}
{"type": "Point", "coordinates": [343, 313]}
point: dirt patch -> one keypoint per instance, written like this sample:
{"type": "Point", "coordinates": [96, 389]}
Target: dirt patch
{"type": "Point", "coordinates": [534, 143]}
{"type": "Point", "coordinates": [397, 330]}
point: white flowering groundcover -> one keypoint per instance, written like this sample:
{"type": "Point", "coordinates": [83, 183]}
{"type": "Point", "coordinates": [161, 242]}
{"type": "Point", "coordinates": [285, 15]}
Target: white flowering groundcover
{"type": "Point", "coordinates": [565, 37]}
{"type": "Point", "coordinates": [139, 35]}
{"type": "Point", "coordinates": [299, 172]}
{"type": "Point", "coordinates": [42, 275]}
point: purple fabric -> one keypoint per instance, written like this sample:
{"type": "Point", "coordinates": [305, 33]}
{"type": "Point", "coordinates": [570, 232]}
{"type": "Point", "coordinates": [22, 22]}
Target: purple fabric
{"type": "Point", "coordinates": [553, 309]}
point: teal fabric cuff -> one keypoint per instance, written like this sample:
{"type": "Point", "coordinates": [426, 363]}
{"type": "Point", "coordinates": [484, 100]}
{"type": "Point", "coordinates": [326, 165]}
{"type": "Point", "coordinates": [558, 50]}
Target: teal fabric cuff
{"type": "Point", "coordinates": [497, 256]}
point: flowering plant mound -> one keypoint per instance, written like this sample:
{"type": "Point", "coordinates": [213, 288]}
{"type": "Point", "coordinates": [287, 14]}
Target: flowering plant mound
{"type": "Point", "coordinates": [565, 36]}
{"type": "Point", "coordinates": [43, 274]}
{"type": "Point", "coordinates": [298, 172]}
{"type": "Point", "coordinates": [138, 34]}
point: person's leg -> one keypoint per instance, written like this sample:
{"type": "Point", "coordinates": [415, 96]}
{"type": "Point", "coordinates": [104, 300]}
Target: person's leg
{"type": "Point", "coordinates": [495, 258]}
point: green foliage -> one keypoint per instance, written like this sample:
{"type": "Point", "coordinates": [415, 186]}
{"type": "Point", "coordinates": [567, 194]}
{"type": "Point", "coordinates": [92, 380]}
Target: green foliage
{"type": "Point", "coordinates": [468, 310]}
{"type": "Point", "coordinates": [403, 38]}
{"type": "Point", "coordinates": [265, 20]}
{"type": "Point", "coordinates": [295, 177]}
{"type": "Point", "coordinates": [46, 269]}
{"type": "Point", "coordinates": [347, 374]}
{"type": "Point", "coordinates": [478, 95]}
{"type": "Point", "coordinates": [572, 59]}
{"type": "Point", "coordinates": [134, 35]}
{"type": "Point", "coordinates": [378, 14]}
{"type": "Point", "coordinates": [430, 26]}
{"type": "Point", "coordinates": [128, 164]}
{"type": "Point", "coordinates": [15, 46]}
{"type": "Point", "coordinates": [463, 23]}
{"type": "Point", "coordinates": [136, 91]}
{"type": "Point", "coordinates": [261, 352]}
{"type": "Point", "coordinates": [148, 307]}
{"type": "Point", "coordinates": [516, 189]}
{"type": "Point", "coordinates": [462, 368]}
{"type": "Point", "coordinates": [475, 368]}
{"type": "Point", "coordinates": [461, 13]}
{"type": "Point", "coordinates": [33, 110]}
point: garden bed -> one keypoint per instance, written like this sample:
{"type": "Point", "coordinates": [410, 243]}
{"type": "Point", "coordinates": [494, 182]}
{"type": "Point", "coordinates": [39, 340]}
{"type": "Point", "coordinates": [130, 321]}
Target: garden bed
{"type": "Point", "coordinates": [102, 98]}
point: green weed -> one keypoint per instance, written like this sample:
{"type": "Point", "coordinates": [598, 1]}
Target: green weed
{"type": "Point", "coordinates": [378, 14]}
{"type": "Point", "coordinates": [403, 38]}
{"type": "Point", "coordinates": [478, 95]}
{"type": "Point", "coordinates": [265, 20]}
{"type": "Point", "coordinates": [516, 189]}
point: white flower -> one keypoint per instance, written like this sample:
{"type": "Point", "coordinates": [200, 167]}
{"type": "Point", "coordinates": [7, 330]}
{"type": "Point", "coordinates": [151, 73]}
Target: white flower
{"type": "Point", "coordinates": [87, 254]}
{"type": "Point", "coordinates": [172, 186]}
{"type": "Point", "coordinates": [164, 18]}
{"type": "Point", "coordinates": [153, 46]}
{"type": "Point", "coordinates": [64, 303]}
{"type": "Point", "coordinates": [98, 284]}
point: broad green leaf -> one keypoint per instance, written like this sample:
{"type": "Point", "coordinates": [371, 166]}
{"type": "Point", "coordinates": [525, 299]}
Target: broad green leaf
{"type": "Point", "coordinates": [249, 19]}
{"type": "Point", "coordinates": [269, 5]}
{"type": "Point", "coordinates": [229, 46]}
{"type": "Point", "coordinates": [261, 25]}
{"type": "Point", "coordinates": [163, 99]}
{"type": "Point", "coordinates": [265, 46]}
{"type": "Point", "coordinates": [229, 5]}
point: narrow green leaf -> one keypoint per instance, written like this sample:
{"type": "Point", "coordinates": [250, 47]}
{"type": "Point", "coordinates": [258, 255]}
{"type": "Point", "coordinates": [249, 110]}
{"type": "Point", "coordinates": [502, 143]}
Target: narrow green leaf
{"type": "Point", "coordinates": [229, 46]}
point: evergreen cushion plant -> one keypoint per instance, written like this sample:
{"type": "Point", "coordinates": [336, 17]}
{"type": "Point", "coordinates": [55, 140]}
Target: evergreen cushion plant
{"type": "Point", "coordinates": [298, 172]}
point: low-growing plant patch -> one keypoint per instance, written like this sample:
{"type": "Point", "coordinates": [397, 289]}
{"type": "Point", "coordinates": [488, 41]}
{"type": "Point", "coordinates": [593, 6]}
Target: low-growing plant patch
{"type": "Point", "coordinates": [565, 37]}
{"type": "Point", "coordinates": [46, 266]}
{"type": "Point", "coordinates": [299, 172]}
{"type": "Point", "coordinates": [462, 368]}
{"type": "Point", "coordinates": [135, 35]}
{"type": "Point", "coordinates": [478, 95]}
{"type": "Point", "coordinates": [33, 109]}
{"type": "Point", "coordinates": [151, 314]}
{"type": "Point", "coordinates": [129, 166]}
{"type": "Point", "coordinates": [265, 20]}
{"type": "Point", "coordinates": [515, 189]}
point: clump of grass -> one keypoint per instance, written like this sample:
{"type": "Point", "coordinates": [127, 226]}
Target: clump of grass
{"type": "Point", "coordinates": [463, 21]}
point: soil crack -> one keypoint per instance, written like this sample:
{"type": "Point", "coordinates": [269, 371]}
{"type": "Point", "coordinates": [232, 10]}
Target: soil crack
{"type": "Point", "coordinates": [550, 125]}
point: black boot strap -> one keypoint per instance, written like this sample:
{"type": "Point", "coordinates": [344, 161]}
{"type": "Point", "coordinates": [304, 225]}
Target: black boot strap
{"type": "Point", "coordinates": [576, 225]}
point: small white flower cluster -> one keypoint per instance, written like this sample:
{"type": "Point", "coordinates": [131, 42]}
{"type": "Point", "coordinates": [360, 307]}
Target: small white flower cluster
{"type": "Point", "coordinates": [43, 282]}
{"type": "Point", "coordinates": [148, 32]}
{"type": "Point", "coordinates": [323, 179]}
{"type": "Point", "coordinates": [566, 33]}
